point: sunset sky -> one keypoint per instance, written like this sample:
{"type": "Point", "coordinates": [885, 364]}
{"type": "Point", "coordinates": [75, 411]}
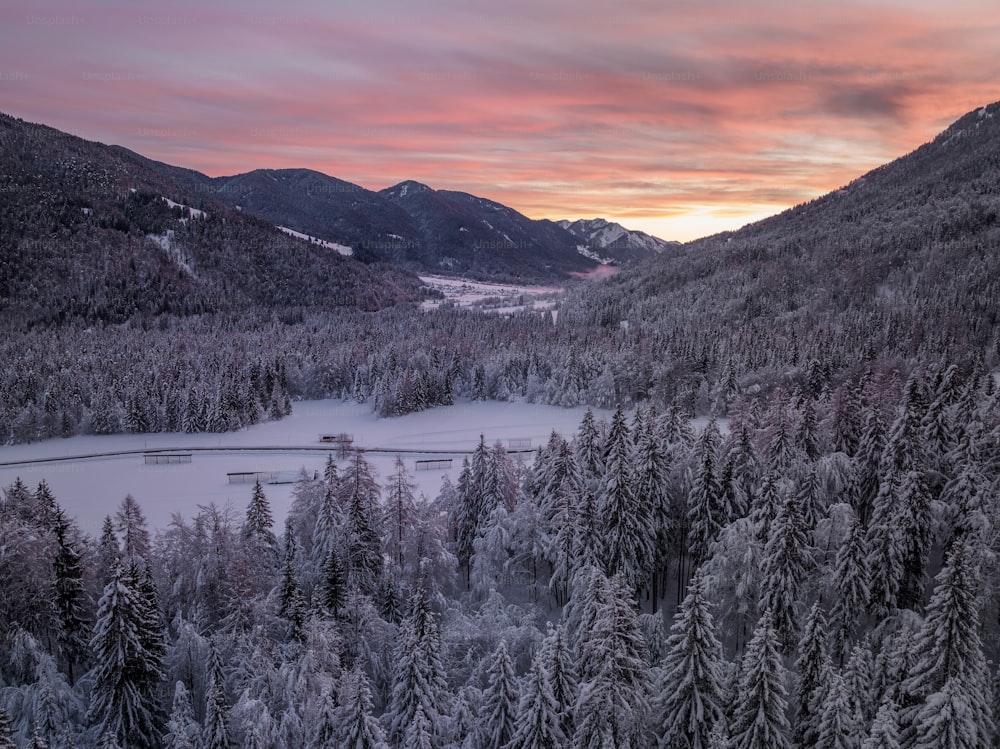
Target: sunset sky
{"type": "Point", "coordinates": [679, 118]}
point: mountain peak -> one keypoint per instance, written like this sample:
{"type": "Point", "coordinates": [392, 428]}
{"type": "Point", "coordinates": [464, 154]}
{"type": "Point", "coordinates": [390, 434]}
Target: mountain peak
{"type": "Point", "coordinates": [404, 188]}
{"type": "Point", "coordinates": [612, 241]}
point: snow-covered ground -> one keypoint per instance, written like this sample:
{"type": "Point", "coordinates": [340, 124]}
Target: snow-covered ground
{"type": "Point", "coordinates": [193, 212]}
{"type": "Point", "coordinates": [491, 297]}
{"type": "Point", "coordinates": [343, 249]}
{"type": "Point", "coordinates": [90, 488]}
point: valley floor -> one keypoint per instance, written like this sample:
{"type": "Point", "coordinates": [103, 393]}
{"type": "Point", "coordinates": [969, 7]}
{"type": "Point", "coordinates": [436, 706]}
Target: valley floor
{"type": "Point", "coordinates": [92, 487]}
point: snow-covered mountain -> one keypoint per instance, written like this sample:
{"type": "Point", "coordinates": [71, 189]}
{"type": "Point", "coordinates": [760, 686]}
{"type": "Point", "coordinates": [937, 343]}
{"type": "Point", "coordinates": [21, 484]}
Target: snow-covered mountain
{"type": "Point", "coordinates": [612, 242]}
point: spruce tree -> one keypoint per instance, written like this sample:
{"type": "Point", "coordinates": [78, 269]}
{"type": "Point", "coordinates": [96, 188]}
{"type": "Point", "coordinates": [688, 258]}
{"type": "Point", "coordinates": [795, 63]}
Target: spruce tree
{"type": "Point", "coordinates": [705, 512]}
{"type": "Point", "coordinates": [216, 734]}
{"type": "Point", "coordinates": [785, 559]}
{"type": "Point", "coordinates": [625, 542]}
{"type": "Point", "coordinates": [651, 473]}
{"type": "Point", "coordinates": [839, 725]}
{"type": "Point", "coordinates": [399, 513]}
{"type": "Point", "coordinates": [360, 729]}
{"type": "Point", "coordinates": [259, 521]}
{"type": "Point", "coordinates": [538, 715]}
{"type": "Point", "coordinates": [587, 447]}
{"type": "Point", "coordinates": [886, 549]}
{"type": "Point", "coordinates": [884, 732]}
{"type": "Point", "coordinates": [327, 533]}
{"type": "Point", "coordinates": [364, 542]}
{"type": "Point", "coordinates": [183, 731]}
{"type": "Point", "coordinates": [691, 683]}
{"type": "Point", "coordinates": [850, 581]}
{"type": "Point", "coordinates": [948, 686]}
{"type": "Point", "coordinates": [418, 675]}
{"type": "Point", "coordinates": [812, 665]}
{"type": "Point", "coordinates": [333, 585]}
{"type": "Point", "coordinates": [759, 720]}
{"type": "Point", "coordinates": [614, 687]}
{"type": "Point", "coordinates": [70, 594]}
{"type": "Point", "coordinates": [500, 701]}
{"type": "Point", "coordinates": [561, 673]}
{"type": "Point", "coordinates": [419, 733]}
{"type": "Point", "coordinates": [128, 670]}
{"type": "Point", "coordinates": [292, 604]}
{"type": "Point", "coordinates": [915, 504]}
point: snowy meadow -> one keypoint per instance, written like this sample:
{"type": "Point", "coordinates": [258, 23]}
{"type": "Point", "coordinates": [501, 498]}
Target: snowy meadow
{"type": "Point", "coordinates": [90, 488]}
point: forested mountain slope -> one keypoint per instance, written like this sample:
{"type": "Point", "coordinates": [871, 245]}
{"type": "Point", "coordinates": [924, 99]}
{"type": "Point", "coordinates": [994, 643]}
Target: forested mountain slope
{"type": "Point", "coordinates": [902, 262]}
{"type": "Point", "coordinates": [88, 232]}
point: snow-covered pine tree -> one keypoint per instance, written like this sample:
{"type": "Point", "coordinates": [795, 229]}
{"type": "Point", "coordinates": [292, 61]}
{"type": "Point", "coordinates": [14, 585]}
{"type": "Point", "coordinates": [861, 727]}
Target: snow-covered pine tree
{"type": "Point", "coordinates": [948, 719]}
{"type": "Point", "coordinates": [183, 732]}
{"type": "Point", "coordinates": [6, 730]}
{"type": "Point", "coordinates": [563, 530]}
{"type": "Point", "coordinates": [781, 451]}
{"type": "Point", "coordinates": [651, 473]}
{"type": "Point", "coordinates": [399, 514]}
{"type": "Point", "coordinates": [886, 549]}
{"type": "Point", "coordinates": [419, 733]}
{"type": "Point", "coordinates": [765, 505]}
{"type": "Point", "coordinates": [626, 545]}
{"type": "Point", "coordinates": [500, 701]}
{"type": "Point", "coordinates": [466, 515]}
{"type": "Point", "coordinates": [840, 727]}
{"type": "Point", "coordinates": [364, 540]}
{"type": "Point", "coordinates": [947, 691]}
{"type": "Point", "coordinates": [332, 589]}
{"type": "Point", "coordinates": [418, 675]}
{"type": "Point", "coordinates": [884, 732]}
{"type": "Point", "coordinates": [614, 682]}
{"type": "Point", "coordinates": [690, 688]}
{"type": "Point", "coordinates": [360, 729]}
{"type": "Point", "coordinates": [915, 526]}
{"type": "Point", "coordinates": [292, 604]}
{"type": "Point", "coordinates": [785, 560]}
{"type": "Point", "coordinates": [587, 447]}
{"type": "Point", "coordinates": [868, 459]}
{"type": "Point", "coordinates": [216, 734]}
{"type": "Point", "coordinates": [813, 666]}
{"type": "Point", "coordinates": [704, 502]}
{"type": "Point", "coordinates": [858, 679]}
{"type": "Point", "coordinates": [561, 673]}
{"type": "Point", "coordinates": [70, 595]}
{"type": "Point", "coordinates": [807, 436]}
{"type": "Point", "coordinates": [745, 470]}
{"type": "Point", "coordinates": [130, 522]}
{"type": "Point", "coordinates": [759, 720]}
{"type": "Point", "coordinates": [259, 520]}
{"type": "Point", "coordinates": [850, 581]}
{"type": "Point", "coordinates": [128, 670]}
{"type": "Point", "coordinates": [538, 714]}
{"type": "Point", "coordinates": [810, 497]}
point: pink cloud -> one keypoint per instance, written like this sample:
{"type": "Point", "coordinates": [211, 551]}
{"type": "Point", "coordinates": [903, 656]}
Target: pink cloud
{"type": "Point", "coordinates": [633, 110]}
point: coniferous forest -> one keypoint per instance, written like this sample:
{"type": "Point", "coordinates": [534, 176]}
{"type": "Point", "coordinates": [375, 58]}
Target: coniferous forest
{"type": "Point", "coordinates": [784, 537]}
{"type": "Point", "coordinates": [818, 570]}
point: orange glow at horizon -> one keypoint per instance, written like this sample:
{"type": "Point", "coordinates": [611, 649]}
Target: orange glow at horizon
{"type": "Point", "coordinates": [681, 121]}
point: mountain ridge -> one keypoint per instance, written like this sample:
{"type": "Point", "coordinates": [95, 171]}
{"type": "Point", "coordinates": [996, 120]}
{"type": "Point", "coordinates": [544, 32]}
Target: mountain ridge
{"type": "Point", "coordinates": [90, 231]}
{"type": "Point", "coordinates": [417, 226]}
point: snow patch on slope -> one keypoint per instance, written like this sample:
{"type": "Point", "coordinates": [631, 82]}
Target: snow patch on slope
{"type": "Point", "coordinates": [341, 248]}
{"type": "Point", "coordinates": [172, 251]}
{"type": "Point", "coordinates": [192, 212]}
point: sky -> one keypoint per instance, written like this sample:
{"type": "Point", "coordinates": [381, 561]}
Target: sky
{"type": "Point", "coordinates": [680, 118]}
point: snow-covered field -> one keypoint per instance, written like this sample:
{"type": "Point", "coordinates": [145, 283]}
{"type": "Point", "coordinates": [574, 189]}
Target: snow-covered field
{"type": "Point", "coordinates": [491, 297]}
{"type": "Point", "coordinates": [90, 488]}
